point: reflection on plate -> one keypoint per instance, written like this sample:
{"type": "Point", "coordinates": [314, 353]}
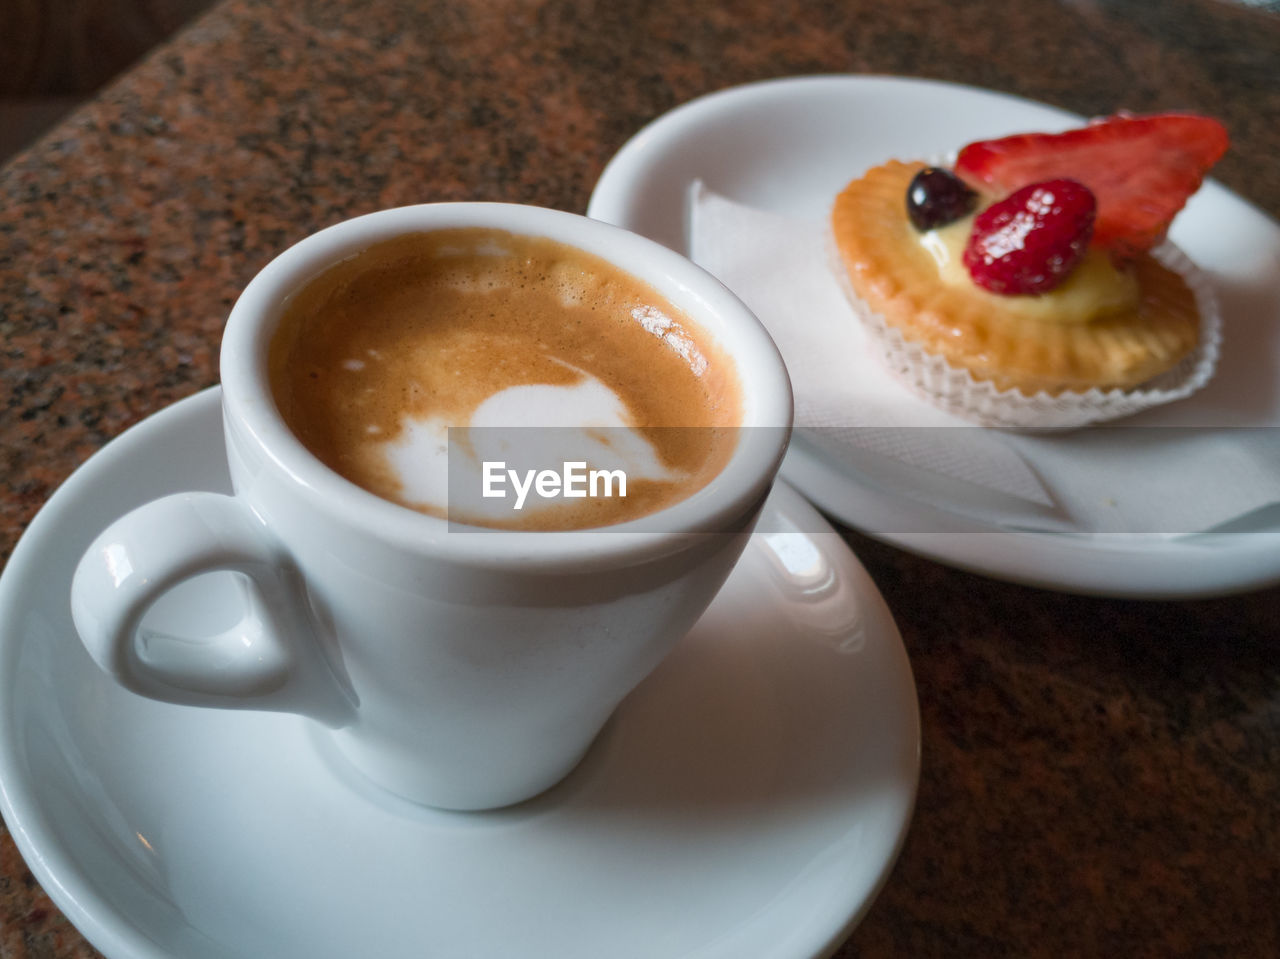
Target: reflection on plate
{"type": "Point", "coordinates": [748, 799]}
{"type": "Point", "coordinates": [787, 146]}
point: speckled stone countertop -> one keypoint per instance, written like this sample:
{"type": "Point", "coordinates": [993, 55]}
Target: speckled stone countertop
{"type": "Point", "coordinates": [1099, 776]}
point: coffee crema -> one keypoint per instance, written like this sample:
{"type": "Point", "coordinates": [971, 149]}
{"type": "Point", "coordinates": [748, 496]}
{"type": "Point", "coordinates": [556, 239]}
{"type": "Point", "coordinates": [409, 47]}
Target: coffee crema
{"type": "Point", "coordinates": [524, 341]}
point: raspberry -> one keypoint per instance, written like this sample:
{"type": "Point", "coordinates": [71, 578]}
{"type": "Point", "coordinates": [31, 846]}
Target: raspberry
{"type": "Point", "coordinates": [1031, 240]}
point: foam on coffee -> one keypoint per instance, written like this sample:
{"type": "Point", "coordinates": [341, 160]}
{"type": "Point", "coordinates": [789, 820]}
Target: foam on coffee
{"type": "Point", "coordinates": [378, 356]}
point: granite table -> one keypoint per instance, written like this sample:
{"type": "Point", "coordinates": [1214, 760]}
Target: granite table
{"type": "Point", "coordinates": [1099, 776]}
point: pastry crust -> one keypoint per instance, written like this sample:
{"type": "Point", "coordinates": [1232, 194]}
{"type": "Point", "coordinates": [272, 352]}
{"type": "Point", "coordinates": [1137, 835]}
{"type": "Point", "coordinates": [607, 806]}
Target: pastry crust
{"type": "Point", "coordinates": [972, 329]}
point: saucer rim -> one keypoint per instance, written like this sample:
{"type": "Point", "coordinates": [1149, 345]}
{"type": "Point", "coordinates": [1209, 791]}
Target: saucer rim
{"type": "Point", "coordinates": [72, 889]}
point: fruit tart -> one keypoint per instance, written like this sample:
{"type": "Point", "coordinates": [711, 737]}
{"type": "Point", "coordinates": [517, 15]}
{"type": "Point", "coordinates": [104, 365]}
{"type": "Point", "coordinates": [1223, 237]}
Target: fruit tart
{"type": "Point", "coordinates": [1029, 283]}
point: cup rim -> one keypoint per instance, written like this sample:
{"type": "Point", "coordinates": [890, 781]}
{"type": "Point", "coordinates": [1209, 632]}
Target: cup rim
{"type": "Point", "coordinates": [726, 502]}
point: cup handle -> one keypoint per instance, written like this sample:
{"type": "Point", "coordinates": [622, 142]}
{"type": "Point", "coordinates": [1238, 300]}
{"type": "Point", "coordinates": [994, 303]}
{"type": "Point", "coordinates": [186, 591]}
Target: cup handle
{"type": "Point", "coordinates": [271, 659]}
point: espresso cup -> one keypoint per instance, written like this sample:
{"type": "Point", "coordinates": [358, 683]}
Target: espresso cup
{"type": "Point", "coordinates": [458, 667]}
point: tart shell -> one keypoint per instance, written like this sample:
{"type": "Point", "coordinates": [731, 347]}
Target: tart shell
{"type": "Point", "coordinates": [960, 348]}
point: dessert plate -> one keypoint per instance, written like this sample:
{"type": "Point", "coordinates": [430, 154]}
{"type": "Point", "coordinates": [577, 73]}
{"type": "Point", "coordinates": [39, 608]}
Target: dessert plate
{"type": "Point", "coordinates": [788, 146]}
{"type": "Point", "coordinates": [749, 798]}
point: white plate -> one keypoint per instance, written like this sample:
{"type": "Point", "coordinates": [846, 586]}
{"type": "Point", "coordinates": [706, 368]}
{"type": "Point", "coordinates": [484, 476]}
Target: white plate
{"type": "Point", "coordinates": [748, 799]}
{"type": "Point", "coordinates": [788, 146]}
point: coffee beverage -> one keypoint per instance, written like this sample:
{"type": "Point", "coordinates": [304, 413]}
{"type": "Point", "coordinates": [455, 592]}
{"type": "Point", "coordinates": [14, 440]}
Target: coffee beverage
{"type": "Point", "coordinates": [481, 348]}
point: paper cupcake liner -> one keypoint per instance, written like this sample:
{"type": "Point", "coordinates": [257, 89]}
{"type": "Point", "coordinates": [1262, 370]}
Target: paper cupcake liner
{"type": "Point", "coordinates": [979, 401]}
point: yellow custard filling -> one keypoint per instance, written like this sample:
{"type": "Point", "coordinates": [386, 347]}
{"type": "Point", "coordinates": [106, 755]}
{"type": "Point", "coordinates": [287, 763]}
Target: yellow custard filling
{"type": "Point", "coordinates": [1094, 289]}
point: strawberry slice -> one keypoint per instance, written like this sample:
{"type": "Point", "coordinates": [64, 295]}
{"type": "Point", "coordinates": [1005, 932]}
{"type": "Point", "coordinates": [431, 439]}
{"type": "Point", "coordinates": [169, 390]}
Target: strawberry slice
{"type": "Point", "coordinates": [1142, 169]}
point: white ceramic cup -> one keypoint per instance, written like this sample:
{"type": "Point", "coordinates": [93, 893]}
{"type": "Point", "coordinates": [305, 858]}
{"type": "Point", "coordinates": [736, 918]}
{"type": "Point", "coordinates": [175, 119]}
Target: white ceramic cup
{"type": "Point", "coordinates": [458, 669]}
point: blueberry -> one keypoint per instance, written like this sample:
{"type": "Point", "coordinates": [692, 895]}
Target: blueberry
{"type": "Point", "coordinates": [937, 197]}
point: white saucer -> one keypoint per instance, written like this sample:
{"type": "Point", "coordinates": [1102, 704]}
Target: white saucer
{"type": "Point", "coordinates": [748, 799]}
{"type": "Point", "coordinates": [788, 146]}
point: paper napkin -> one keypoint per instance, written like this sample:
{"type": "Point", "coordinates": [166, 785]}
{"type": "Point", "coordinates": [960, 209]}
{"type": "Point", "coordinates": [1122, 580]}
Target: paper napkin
{"type": "Point", "coordinates": [1102, 479]}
